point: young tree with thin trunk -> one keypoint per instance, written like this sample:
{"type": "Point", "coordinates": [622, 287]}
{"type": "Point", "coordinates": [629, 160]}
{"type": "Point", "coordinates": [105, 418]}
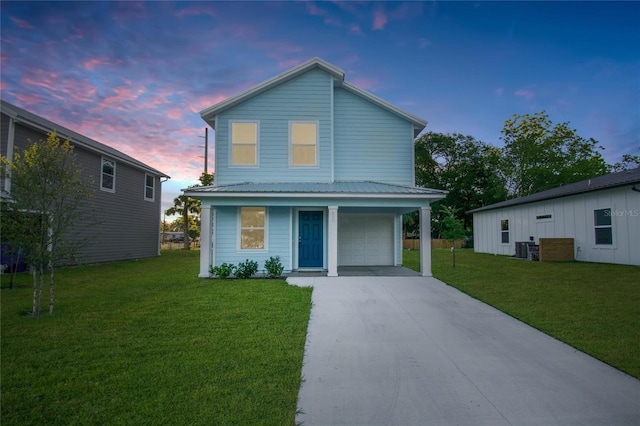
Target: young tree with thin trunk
{"type": "Point", "coordinates": [47, 198]}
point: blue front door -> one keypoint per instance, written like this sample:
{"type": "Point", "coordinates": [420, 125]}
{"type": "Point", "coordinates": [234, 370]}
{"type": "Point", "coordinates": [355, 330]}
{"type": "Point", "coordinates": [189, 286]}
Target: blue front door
{"type": "Point", "coordinates": [310, 240]}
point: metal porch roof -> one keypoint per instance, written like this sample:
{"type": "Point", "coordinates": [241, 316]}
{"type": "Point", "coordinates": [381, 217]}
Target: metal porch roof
{"type": "Point", "coordinates": [362, 188]}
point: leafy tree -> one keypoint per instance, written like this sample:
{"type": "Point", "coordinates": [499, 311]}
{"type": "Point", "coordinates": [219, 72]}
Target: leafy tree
{"type": "Point", "coordinates": [452, 226]}
{"type": "Point", "coordinates": [462, 165]}
{"type": "Point", "coordinates": [206, 179]}
{"type": "Point", "coordinates": [538, 155]}
{"type": "Point", "coordinates": [628, 162]}
{"type": "Point", "coordinates": [183, 205]}
{"type": "Point", "coordinates": [47, 198]}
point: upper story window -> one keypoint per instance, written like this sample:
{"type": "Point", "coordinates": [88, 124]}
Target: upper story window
{"type": "Point", "coordinates": [303, 137]}
{"type": "Point", "coordinates": [603, 226]}
{"type": "Point", "coordinates": [149, 187]}
{"type": "Point", "coordinates": [108, 175]}
{"type": "Point", "coordinates": [244, 143]}
{"type": "Point", "coordinates": [253, 228]}
{"type": "Point", "coordinates": [504, 231]}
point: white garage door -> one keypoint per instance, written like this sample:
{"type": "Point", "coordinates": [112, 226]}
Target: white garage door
{"type": "Point", "coordinates": [365, 240]}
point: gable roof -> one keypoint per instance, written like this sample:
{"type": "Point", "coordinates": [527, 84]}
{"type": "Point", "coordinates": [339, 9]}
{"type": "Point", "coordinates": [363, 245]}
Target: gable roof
{"type": "Point", "coordinates": [209, 114]}
{"type": "Point", "coordinates": [30, 119]}
{"type": "Point", "coordinates": [612, 180]}
{"type": "Point", "coordinates": [350, 189]}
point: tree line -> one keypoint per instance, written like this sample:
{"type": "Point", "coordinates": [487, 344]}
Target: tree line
{"type": "Point", "coordinates": [536, 155]}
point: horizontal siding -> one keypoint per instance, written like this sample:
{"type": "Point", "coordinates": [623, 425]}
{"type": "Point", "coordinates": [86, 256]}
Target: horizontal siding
{"type": "Point", "coordinates": [4, 142]}
{"type": "Point", "coordinates": [572, 217]}
{"type": "Point", "coordinates": [4, 134]}
{"type": "Point", "coordinates": [226, 238]}
{"type": "Point", "coordinates": [307, 97]}
{"type": "Point", "coordinates": [370, 143]}
{"type": "Point", "coordinates": [120, 225]}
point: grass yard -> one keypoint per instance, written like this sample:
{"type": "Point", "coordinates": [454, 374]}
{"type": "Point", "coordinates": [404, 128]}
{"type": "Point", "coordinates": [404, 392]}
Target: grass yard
{"type": "Point", "coordinates": [147, 342]}
{"type": "Point", "coordinates": [593, 307]}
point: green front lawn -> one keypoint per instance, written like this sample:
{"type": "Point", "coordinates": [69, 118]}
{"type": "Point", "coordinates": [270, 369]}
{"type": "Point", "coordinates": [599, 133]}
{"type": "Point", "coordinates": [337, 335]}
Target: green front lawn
{"type": "Point", "coordinates": [593, 307]}
{"type": "Point", "coordinates": [147, 342]}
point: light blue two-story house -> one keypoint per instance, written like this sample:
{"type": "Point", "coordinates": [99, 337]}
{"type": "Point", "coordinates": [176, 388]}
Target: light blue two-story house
{"type": "Point", "coordinates": [314, 170]}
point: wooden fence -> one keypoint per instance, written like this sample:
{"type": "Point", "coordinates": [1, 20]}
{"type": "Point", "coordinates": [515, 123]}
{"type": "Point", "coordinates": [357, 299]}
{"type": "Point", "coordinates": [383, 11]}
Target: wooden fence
{"type": "Point", "coordinates": [414, 244]}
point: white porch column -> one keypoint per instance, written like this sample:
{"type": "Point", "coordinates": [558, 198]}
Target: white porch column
{"type": "Point", "coordinates": [206, 241]}
{"type": "Point", "coordinates": [425, 241]}
{"type": "Point", "coordinates": [332, 237]}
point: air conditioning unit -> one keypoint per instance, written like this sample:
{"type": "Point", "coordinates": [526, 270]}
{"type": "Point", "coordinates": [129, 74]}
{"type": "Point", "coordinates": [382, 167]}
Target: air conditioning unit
{"type": "Point", "coordinates": [522, 249]}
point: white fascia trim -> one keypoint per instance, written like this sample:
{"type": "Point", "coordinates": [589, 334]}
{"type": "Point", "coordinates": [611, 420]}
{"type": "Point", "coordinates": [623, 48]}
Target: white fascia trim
{"type": "Point", "coordinates": [310, 195]}
{"type": "Point", "coordinates": [272, 82]}
{"type": "Point", "coordinates": [417, 121]}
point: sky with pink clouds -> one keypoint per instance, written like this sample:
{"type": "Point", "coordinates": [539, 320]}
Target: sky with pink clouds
{"type": "Point", "coordinates": [134, 75]}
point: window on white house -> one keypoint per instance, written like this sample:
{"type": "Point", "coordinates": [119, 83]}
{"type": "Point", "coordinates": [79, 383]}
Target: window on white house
{"type": "Point", "coordinates": [303, 137]}
{"type": "Point", "coordinates": [149, 187]}
{"type": "Point", "coordinates": [504, 231]}
{"type": "Point", "coordinates": [244, 143]}
{"type": "Point", "coordinates": [252, 228]}
{"type": "Point", "coordinates": [108, 175]}
{"type": "Point", "coordinates": [603, 226]}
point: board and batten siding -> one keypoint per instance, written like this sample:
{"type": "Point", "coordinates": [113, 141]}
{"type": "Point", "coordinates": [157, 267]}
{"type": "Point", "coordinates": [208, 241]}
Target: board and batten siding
{"type": "Point", "coordinates": [370, 143]}
{"type": "Point", "coordinates": [308, 98]}
{"type": "Point", "coordinates": [572, 217]}
{"type": "Point", "coordinates": [278, 237]}
{"type": "Point", "coordinates": [119, 225]}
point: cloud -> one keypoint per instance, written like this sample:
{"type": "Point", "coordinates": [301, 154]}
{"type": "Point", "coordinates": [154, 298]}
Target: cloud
{"type": "Point", "coordinates": [199, 10]}
{"type": "Point", "coordinates": [68, 89]}
{"type": "Point", "coordinates": [355, 29]}
{"type": "Point", "coordinates": [175, 113]}
{"type": "Point", "coordinates": [379, 19]}
{"type": "Point", "coordinates": [313, 9]}
{"type": "Point", "coordinates": [369, 84]}
{"type": "Point", "coordinates": [21, 23]}
{"type": "Point", "coordinates": [122, 98]}
{"type": "Point", "coordinates": [499, 91]}
{"type": "Point", "coordinates": [29, 99]}
{"type": "Point", "coordinates": [205, 102]}
{"type": "Point", "coordinates": [528, 94]}
{"type": "Point", "coordinates": [92, 63]}
{"type": "Point", "coordinates": [423, 43]}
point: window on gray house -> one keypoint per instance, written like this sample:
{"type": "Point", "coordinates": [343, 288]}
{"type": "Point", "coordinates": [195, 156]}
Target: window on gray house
{"type": "Point", "coordinates": [504, 231]}
{"type": "Point", "coordinates": [149, 187]}
{"type": "Point", "coordinates": [108, 175]}
{"type": "Point", "coordinates": [603, 226]}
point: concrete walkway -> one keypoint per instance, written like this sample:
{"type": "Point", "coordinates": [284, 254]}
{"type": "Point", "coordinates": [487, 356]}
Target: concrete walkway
{"type": "Point", "coordinates": [414, 351]}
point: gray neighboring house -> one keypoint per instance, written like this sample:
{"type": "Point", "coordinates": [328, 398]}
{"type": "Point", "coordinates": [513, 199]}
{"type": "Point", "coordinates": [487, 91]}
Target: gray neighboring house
{"type": "Point", "coordinates": [126, 208]}
{"type": "Point", "coordinates": [601, 214]}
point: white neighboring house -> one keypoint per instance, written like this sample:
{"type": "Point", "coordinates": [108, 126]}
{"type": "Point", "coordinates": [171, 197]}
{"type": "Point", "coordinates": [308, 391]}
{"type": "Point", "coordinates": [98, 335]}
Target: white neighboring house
{"type": "Point", "coordinates": [601, 214]}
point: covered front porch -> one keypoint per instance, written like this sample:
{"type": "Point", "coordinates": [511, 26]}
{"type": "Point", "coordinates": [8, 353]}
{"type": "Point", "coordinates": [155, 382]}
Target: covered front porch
{"type": "Point", "coordinates": [333, 229]}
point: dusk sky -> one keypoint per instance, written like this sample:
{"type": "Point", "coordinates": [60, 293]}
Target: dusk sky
{"type": "Point", "coordinates": [134, 75]}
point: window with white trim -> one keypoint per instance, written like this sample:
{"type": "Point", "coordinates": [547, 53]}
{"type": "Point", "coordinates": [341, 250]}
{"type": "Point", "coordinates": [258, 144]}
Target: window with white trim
{"type": "Point", "coordinates": [108, 175]}
{"type": "Point", "coordinates": [253, 228]}
{"type": "Point", "coordinates": [149, 187]}
{"type": "Point", "coordinates": [303, 142]}
{"type": "Point", "coordinates": [603, 227]}
{"type": "Point", "coordinates": [244, 143]}
{"type": "Point", "coordinates": [504, 231]}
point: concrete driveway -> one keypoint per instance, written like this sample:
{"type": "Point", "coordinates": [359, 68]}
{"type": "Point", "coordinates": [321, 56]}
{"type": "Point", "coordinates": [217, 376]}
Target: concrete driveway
{"type": "Point", "coordinates": [414, 351]}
